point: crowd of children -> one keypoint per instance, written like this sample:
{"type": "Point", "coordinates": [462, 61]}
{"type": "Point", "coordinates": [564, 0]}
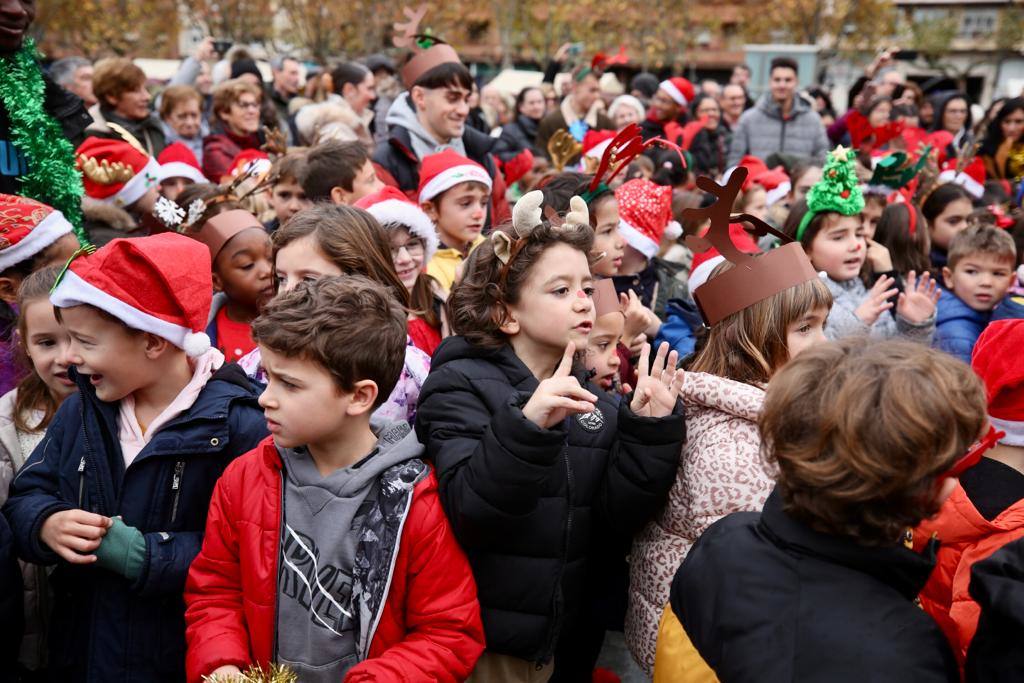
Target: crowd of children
{"type": "Point", "coordinates": [315, 422]}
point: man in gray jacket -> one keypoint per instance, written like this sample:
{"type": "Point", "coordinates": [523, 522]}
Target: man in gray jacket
{"type": "Point", "coordinates": [780, 122]}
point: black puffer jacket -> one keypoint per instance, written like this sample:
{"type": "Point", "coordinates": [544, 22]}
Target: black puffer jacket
{"type": "Point", "coordinates": [763, 597]}
{"type": "Point", "coordinates": [516, 136]}
{"type": "Point", "coordinates": [530, 505]}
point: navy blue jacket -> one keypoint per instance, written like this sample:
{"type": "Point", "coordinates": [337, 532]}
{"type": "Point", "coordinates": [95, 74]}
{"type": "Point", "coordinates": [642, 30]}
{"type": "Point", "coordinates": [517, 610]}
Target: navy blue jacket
{"type": "Point", "coordinates": [958, 326]}
{"type": "Point", "coordinates": [105, 627]}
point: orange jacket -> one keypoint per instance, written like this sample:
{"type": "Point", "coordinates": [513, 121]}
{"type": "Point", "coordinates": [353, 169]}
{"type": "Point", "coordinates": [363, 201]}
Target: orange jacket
{"type": "Point", "coordinates": [966, 538]}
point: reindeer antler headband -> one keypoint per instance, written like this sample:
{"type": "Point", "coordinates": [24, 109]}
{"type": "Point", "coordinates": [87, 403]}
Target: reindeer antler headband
{"type": "Point", "coordinates": [621, 151]}
{"type": "Point", "coordinates": [527, 215]}
{"type": "Point", "coordinates": [428, 51]}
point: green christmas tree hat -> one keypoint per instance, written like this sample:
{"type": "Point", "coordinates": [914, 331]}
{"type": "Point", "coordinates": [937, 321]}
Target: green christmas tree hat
{"type": "Point", "coordinates": [838, 190]}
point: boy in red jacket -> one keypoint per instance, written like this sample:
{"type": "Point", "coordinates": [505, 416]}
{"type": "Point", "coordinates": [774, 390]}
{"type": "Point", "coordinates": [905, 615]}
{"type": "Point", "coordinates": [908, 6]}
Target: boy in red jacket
{"type": "Point", "coordinates": [326, 548]}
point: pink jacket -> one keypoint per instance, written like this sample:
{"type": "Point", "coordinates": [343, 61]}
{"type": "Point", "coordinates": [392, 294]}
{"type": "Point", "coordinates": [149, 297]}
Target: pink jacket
{"type": "Point", "coordinates": [720, 472]}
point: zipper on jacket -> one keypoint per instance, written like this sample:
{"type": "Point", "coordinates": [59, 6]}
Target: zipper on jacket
{"type": "Point", "coordinates": [557, 611]}
{"type": "Point", "coordinates": [782, 135]}
{"type": "Point", "coordinates": [89, 450]}
{"type": "Point", "coordinates": [179, 469]}
{"type": "Point", "coordinates": [277, 566]}
{"type": "Point", "coordinates": [81, 482]}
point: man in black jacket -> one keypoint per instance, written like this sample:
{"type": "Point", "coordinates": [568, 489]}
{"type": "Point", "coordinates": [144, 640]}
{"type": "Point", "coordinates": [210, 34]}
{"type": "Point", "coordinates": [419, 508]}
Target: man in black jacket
{"type": "Point", "coordinates": [430, 118]}
{"type": "Point", "coordinates": [16, 16]}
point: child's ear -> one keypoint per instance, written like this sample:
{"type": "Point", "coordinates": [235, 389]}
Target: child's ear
{"type": "Point", "coordinates": [430, 209]}
{"type": "Point", "coordinates": [9, 289]}
{"type": "Point", "coordinates": [155, 345]}
{"type": "Point", "coordinates": [507, 322]}
{"type": "Point", "coordinates": [364, 395]}
{"type": "Point", "coordinates": [947, 277]}
{"type": "Point", "coordinates": [218, 284]}
{"type": "Point", "coordinates": [339, 195]}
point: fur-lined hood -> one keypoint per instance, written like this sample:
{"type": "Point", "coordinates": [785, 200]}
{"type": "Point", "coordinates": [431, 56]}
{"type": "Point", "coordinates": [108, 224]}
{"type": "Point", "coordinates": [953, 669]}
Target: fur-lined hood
{"type": "Point", "coordinates": [105, 222]}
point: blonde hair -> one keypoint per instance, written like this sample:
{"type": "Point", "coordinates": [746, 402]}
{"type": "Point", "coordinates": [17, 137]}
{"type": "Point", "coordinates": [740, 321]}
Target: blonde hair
{"type": "Point", "coordinates": [750, 345]}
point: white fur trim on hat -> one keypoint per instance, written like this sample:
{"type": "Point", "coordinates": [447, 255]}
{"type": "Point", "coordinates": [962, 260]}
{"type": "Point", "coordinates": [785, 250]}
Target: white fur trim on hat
{"type": "Point", "coordinates": [411, 216]}
{"type": "Point", "coordinates": [450, 177]}
{"type": "Point", "coordinates": [135, 188]}
{"type": "Point", "coordinates": [72, 290]}
{"type": "Point", "coordinates": [179, 169]}
{"type": "Point", "coordinates": [674, 92]}
{"type": "Point", "coordinates": [673, 230]}
{"type": "Point", "coordinates": [597, 151]}
{"type": "Point", "coordinates": [51, 229]}
{"type": "Point", "coordinates": [1014, 431]}
{"type": "Point", "coordinates": [780, 191]}
{"type": "Point", "coordinates": [967, 182]}
{"type": "Point", "coordinates": [701, 273]}
{"type": "Point", "coordinates": [639, 241]}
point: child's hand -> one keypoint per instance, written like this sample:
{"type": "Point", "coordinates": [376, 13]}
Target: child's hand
{"type": "Point", "coordinates": [878, 257]}
{"type": "Point", "coordinates": [636, 316]}
{"type": "Point", "coordinates": [559, 395]}
{"type": "Point", "coordinates": [637, 345]}
{"type": "Point", "coordinates": [877, 301]}
{"type": "Point", "coordinates": [658, 384]}
{"type": "Point", "coordinates": [72, 532]}
{"type": "Point", "coordinates": [917, 304]}
{"type": "Point", "coordinates": [224, 673]}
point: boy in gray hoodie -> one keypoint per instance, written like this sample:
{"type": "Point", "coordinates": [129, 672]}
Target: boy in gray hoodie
{"type": "Point", "coordinates": [332, 529]}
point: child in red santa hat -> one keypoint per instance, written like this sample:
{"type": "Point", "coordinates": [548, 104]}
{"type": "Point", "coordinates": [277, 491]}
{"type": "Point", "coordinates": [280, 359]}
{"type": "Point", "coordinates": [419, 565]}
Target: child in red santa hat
{"type": "Point", "coordinates": [116, 494]}
{"type": "Point", "coordinates": [118, 173]}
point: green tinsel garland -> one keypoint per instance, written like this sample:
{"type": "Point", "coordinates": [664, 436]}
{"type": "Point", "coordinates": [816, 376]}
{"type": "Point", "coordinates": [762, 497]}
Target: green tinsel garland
{"type": "Point", "coordinates": [52, 177]}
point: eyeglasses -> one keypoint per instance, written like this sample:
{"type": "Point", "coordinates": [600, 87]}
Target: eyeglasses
{"type": "Point", "coordinates": [413, 247]}
{"type": "Point", "coordinates": [247, 105]}
{"type": "Point", "coordinates": [974, 453]}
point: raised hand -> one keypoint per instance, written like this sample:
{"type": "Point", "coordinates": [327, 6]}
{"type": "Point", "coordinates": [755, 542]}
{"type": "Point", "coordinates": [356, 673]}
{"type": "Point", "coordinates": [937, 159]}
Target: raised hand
{"type": "Point", "coordinates": [878, 257]}
{"type": "Point", "coordinates": [559, 395]}
{"type": "Point", "coordinates": [658, 383]}
{"type": "Point", "coordinates": [70, 533]}
{"type": "Point", "coordinates": [877, 301]}
{"type": "Point", "coordinates": [918, 302]}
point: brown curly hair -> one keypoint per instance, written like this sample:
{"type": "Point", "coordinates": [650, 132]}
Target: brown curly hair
{"type": "Point", "coordinates": [350, 325]}
{"type": "Point", "coordinates": [862, 431]}
{"type": "Point", "coordinates": [477, 306]}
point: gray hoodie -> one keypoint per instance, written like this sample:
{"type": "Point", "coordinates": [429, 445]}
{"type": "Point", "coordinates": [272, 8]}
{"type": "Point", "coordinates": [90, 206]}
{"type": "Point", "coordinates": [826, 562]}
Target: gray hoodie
{"type": "Point", "coordinates": [423, 143]}
{"type": "Point", "coordinates": [843, 321]}
{"type": "Point", "coordinates": [322, 520]}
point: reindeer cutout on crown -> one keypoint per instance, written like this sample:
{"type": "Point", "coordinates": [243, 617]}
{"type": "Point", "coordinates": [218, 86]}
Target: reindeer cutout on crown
{"type": "Point", "coordinates": [754, 277]}
{"type": "Point", "coordinates": [428, 51]}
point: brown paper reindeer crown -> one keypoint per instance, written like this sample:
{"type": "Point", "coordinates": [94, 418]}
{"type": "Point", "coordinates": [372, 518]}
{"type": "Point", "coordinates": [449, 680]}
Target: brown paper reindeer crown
{"type": "Point", "coordinates": [754, 277]}
{"type": "Point", "coordinates": [424, 57]}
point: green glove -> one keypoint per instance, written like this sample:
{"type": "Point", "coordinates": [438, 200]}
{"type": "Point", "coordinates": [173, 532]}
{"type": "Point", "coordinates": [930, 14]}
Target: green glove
{"type": "Point", "coordinates": [122, 550]}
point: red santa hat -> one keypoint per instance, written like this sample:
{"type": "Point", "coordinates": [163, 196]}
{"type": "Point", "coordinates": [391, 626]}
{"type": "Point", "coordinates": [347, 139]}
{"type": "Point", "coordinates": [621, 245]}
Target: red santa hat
{"type": "Point", "coordinates": [115, 171]}
{"type": "Point", "coordinates": [595, 142]}
{"type": "Point", "coordinates": [775, 182]}
{"type": "Point", "coordinates": [443, 171]}
{"type": "Point", "coordinates": [249, 161]}
{"type": "Point", "coordinates": [390, 206]}
{"type": "Point", "coordinates": [704, 262]}
{"type": "Point", "coordinates": [645, 214]}
{"type": "Point", "coordinates": [971, 178]}
{"type": "Point", "coordinates": [26, 228]}
{"type": "Point", "coordinates": [996, 360]}
{"type": "Point", "coordinates": [178, 161]}
{"type": "Point", "coordinates": [679, 89]}
{"type": "Point", "coordinates": [159, 284]}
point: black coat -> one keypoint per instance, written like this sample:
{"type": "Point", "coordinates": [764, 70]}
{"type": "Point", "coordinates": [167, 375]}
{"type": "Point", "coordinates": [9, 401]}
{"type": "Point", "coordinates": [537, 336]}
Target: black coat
{"type": "Point", "coordinates": [709, 150]}
{"type": "Point", "coordinates": [997, 584]}
{"type": "Point", "coordinates": [67, 109]}
{"type": "Point", "coordinates": [10, 604]}
{"type": "Point", "coordinates": [763, 597]}
{"type": "Point", "coordinates": [531, 506]}
{"type": "Point", "coordinates": [516, 136]}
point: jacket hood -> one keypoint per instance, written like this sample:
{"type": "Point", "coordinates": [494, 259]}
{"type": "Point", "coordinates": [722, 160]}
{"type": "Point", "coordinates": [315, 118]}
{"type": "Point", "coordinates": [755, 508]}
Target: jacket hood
{"type": "Point", "coordinates": [704, 390]}
{"type": "Point", "coordinates": [396, 444]}
{"type": "Point", "coordinates": [771, 108]}
{"type": "Point", "coordinates": [901, 568]}
{"type": "Point", "coordinates": [954, 308]}
{"type": "Point", "coordinates": [459, 348]}
{"type": "Point", "coordinates": [960, 522]}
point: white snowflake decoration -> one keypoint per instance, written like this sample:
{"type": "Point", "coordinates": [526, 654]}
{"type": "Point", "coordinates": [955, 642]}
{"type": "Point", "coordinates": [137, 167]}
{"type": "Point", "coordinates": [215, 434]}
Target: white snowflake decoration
{"type": "Point", "coordinates": [195, 211]}
{"type": "Point", "coordinates": [169, 213]}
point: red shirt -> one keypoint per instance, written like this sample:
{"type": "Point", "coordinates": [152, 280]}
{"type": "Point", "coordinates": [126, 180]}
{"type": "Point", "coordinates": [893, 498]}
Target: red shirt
{"type": "Point", "coordinates": [234, 339]}
{"type": "Point", "coordinates": [424, 337]}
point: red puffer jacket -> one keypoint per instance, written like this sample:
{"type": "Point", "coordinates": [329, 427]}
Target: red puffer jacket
{"type": "Point", "coordinates": [429, 625]}
{"type": "Point", "coordinates": [966, 538]}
